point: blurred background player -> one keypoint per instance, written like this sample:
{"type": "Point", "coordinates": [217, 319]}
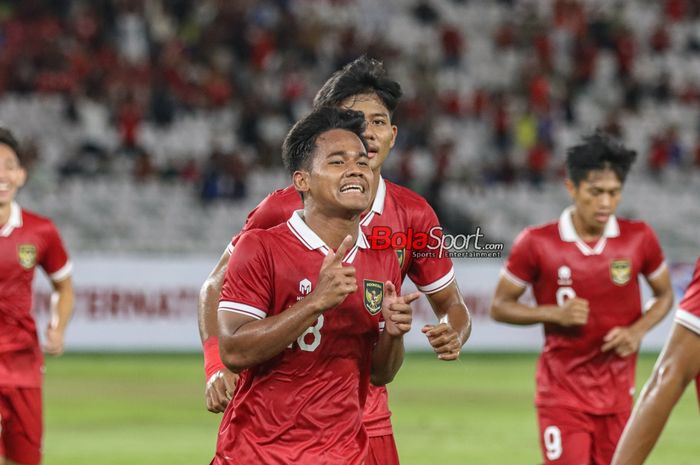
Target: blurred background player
{"type": "Point", "coordinates": [364, 86]}
{"type": "Point", "coordinates": [307, 341]}
{"type": "Point", "coordinates": [678, 364]}
{"type": "Point", "coordinates": [26, 240]}
{"type": "Point", "coordinates": [584, 271]}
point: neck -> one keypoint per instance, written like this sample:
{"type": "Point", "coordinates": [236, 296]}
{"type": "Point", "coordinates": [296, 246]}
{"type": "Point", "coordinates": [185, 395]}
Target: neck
{"type": "Point", "coordinates": [332, 229]}
{"type": "Point", "coordinates": [374, 187]}
{"type": "Point", "coordinates": [5, 213]}
{"type": "Point", "coordinates": [584, 231]}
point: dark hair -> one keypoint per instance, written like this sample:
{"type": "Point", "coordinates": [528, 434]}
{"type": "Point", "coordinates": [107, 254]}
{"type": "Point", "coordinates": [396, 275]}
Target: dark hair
{"type": "Point", "coordinates": [598, 151]}
{"type": "Point", "coordinates": [300, 143]}
{"type": "Point", "coordinates": [362, 76]}
{"type": "Point", "coordinates": [7, 138]}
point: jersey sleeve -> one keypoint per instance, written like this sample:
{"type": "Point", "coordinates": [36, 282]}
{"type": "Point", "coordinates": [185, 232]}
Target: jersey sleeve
{"type": "Point", "coordinates": [248, 284]}
{"type": "Point", "coordinates": [430, 273]}
{"type": "Point", "coordinates": [688, 313]}
{"type": "Point", "coordinates": [654, 262]}
{"type": "Point", "coordinates": [268, 214]}
{"type": "Point", "coordinates": [55, 259]}
{"type": "Point", "coordinates": [521, 266]}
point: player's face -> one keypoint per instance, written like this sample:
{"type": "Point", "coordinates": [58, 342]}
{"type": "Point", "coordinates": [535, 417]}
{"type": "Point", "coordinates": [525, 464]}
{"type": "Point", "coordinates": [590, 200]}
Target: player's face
{"type": "Point", "coordinates": [12, 175]}
{"type": "Point", "coordinates": [596, 198]}
{"type": "Point", "coordinates": [340, 175]}
{"type": "Point", "coordinates": [380, 134]}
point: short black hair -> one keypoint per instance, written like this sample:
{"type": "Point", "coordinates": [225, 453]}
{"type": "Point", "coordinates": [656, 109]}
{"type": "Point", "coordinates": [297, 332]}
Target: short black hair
{"type": "Point", "coordinates": [362, 76]}
{"type": "Point", "coordinates": [300, 143]}
{"type": "Point", "coordinates": [7, 138]}
{"type": "Point", "coordinates": [598, 151]}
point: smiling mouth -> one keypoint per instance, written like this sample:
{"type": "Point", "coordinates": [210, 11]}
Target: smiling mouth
{"type": "Point", "coordinates": [352, 188]}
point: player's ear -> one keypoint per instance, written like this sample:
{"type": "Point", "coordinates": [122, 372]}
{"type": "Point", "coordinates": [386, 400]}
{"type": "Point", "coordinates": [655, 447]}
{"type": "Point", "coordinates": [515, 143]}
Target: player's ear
{"type": "Point", "coordinates": [570, 187]}
{"type": "Point", "coordinates": [394, 132]}
{"type": "Point", "coordinates": [300, 179]}
{"type": "Point", "coordinates": [22, 177]}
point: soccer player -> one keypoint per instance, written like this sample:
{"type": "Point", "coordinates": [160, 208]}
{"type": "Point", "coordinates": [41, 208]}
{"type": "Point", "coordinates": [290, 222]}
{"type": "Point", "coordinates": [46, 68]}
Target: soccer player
{"type": "Point", "coordinates": [364, 86]}
{"type": "Point", "coordinates": [678, 364]}
{"type": "Point", "coordinates": [26, 240]}
{"type": "Point", "coordinates": [584, 271]}
{"type": "Point", "coordinates": [302, 322]}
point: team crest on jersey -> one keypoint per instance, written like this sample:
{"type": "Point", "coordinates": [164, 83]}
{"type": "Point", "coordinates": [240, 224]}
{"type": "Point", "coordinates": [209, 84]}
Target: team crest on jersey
{"type": "Point", "coordinates": [26, 253]}
{"type": "Point", "coordinates": [401, 255]}
{"type": "Point", "coordinates": [620, 271]}
{"type": "Point", "coordinates": [374, 296]}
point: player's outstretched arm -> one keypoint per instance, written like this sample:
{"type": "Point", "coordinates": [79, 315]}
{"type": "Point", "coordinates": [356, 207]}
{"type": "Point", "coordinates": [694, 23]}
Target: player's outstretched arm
{"type": "Point", "coordinates": [626, 340]}
{"type": "Point", "coordinates": [388, 354]}
{"type": "Point", "coordinates": [62, 299]}
{"type": "Point", "coordinates": [506, 308]}
{"type": "Point", "coordinates": [245, 342]}
{"type": "Point", "coordinates": [678, 364]}
{"type": "Point", "coordinates": [220, 381]}
{"type": "Point", "coordinates": [455, 327]}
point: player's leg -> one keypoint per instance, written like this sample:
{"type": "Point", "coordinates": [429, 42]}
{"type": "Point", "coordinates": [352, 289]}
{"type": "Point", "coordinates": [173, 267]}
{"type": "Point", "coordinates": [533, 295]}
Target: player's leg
{"type": "Point", "coordinates": [382, 451]}
{"type": "Point", "coordinates": [608, 429]}
{"type": "Point", "coordinates": [24, 427]}
{"type": "Point", "coordinates": [565, 436]}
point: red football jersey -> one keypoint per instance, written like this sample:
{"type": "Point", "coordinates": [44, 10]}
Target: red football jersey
{"type": "Point", "coordinates": [25, 241]}
{"type": "Point", "coordinates": [572, 370]}
{"type": "Point", "coordinates": [688, 313]}
{"type": "Point", "coordinates": [305, 405]}
{"type": "Point", "coordinates": [397, 208]}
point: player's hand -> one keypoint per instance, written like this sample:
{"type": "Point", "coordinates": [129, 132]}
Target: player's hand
{"type": "Point", "coordinates": [335, 281]}
{"type": "Point", "coordinates": [220, 389]}
{"type": "Point", "coordinates": [624, 341]}
{"type": "Point", "coordinates": [444, 339]}
{"type": "Point", "coordinates": [54, 341]}
{"type": "Point", "coordinates": [574, 312]}
{"type": "Point", "coordinates": [397, 311]}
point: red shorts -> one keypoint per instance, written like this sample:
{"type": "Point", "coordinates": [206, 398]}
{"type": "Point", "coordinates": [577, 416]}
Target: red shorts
{"type": "Point", "coordinates": [21, 424]}
{"type": "Point", "coordinates": [571, 437]}
{"type": "Point", "coordinates": [382, 451]}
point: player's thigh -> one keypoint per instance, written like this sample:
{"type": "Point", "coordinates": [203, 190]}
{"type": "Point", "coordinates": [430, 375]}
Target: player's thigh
{"type": "Point", "coordinates": [382, 451]}
{"type": "Point", "coordinates": [608, 429]}
{"type": "Point", "coordinates": [565, 436]}
{"type": "Point", "coordinates": [23, 426]}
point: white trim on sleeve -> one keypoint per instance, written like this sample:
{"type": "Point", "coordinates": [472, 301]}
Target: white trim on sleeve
{"type": "Point", "coordinates": [243, 309]}
{"type": "Point", "coordinates": [438, 285]}
{"type": "Point", "coordinates": [687, 319]}
{"type": "Point", "coordinates": [63, 273]}
{"type": "Point", "coordinates": [229, 248]}
{"type": "Point", "coordinates": [654, 274]}
{"type": "Point", "coordinates": [512, 278]}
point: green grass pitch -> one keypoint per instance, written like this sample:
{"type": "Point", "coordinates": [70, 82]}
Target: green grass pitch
{"type": "Point", "coordinates": [148, 409]}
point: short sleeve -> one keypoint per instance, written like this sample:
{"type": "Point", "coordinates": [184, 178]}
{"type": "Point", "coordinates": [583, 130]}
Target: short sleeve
{"type": "Point", "coordinates": [430, 272]}
{"type": "Point", "coordinates": [273, 210]}
{"type": "Point", "coordinates": [248, 284]}
{"type": "Point", "coordinates": [653, 262]}
{"type": "Point", "coordinates": [55, 259]}
{"type": "Point", "coordinates": [521, 266]}
{"type": "Point", "coordinates": [688, 313]}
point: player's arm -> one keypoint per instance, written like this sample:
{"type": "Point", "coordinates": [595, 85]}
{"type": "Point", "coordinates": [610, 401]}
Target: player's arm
{"type": "Point", "coordinates": [678, 364]}
{"type": "Point", "coordinates": [245, 342]}
{"type": "Point", "coordinates": [626, 340]}
{"type": "Point", "coordinates": [448, 337]}
{"type": "Point", "coordinates": [62, 298]}
{"type": "Point", "coordinates": [506, 308]}
{"type": "Point", "coordinates": [388, 354]}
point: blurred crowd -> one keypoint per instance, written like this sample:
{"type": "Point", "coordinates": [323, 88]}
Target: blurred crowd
{"type": "Point", "coordinates": [203, 91]}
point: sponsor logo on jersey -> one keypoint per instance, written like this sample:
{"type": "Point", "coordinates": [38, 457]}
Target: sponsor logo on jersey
{"type": "Point", "coordinates": [564, 276]}
{"type": "Point", "coordinates": [304, 286]}
{"type": "Point", "coordinates": [620, 271]}
{"type": "Point", "coordinates": [26, 253]}
{"type": "Point", "coordinates": [374, 296]}
{"type": "Point", "coordinates": [401, 255]}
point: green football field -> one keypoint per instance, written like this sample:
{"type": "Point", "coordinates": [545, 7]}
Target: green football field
{"type": "Point", "coordinates": [148, 409]}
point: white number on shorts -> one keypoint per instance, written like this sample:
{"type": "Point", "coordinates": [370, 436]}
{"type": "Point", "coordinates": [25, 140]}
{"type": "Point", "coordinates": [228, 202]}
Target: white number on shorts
{"type": "Point", "coordinates": [316, 331]}
{"type": "Point", "coordinates": [552, 442]}
{"type": "Point", "coordinates": [564, 294]}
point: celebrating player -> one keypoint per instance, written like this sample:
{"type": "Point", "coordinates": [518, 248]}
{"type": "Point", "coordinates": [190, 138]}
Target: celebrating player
{"type": "Point", "coordinates": [26, 240]}
{"type": "Point", "coordinates": [361, 85]}
{"type": "Point", "coordinates": [584, 270]}
{"type": "Point", "coordinates": [302, 321]}
{"type": "Point", "coordinates": [678, 364]}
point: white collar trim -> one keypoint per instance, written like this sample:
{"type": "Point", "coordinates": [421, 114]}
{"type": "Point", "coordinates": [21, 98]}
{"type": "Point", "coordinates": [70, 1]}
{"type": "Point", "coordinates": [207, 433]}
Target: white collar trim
{"type": "Point", "coordinates": [310, 239]}
{"type": "Point", "coordinates": [567, 232]}
{"type": "Point", "coordinates": [15, 220]}
{"type": "Point", "coordinates": [378, 204]}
